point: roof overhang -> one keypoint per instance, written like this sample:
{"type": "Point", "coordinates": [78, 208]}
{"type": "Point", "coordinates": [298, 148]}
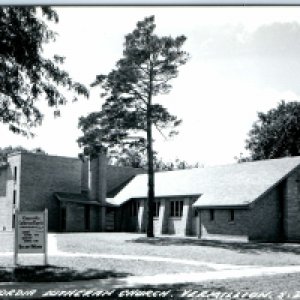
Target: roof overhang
{"type": "Point", "coordinates": [158, 197]}
{"type": "Point", "coordinates": [233, 206]}
{"type": "Point", "coordinates": [80, 199]}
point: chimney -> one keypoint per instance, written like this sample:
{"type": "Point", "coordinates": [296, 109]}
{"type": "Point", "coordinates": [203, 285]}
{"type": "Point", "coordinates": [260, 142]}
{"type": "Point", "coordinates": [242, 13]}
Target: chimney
{"type": "Point", "coordinates": [97, 178]}
{"type": "Point", "coordinates": [84, 175]}
{"type": "Point", "coordinates": [97, 185]}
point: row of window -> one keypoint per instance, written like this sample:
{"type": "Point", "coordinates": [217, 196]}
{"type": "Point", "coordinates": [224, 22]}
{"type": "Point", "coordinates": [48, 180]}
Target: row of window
{"type": "Point", "coordinates": [176, 210]}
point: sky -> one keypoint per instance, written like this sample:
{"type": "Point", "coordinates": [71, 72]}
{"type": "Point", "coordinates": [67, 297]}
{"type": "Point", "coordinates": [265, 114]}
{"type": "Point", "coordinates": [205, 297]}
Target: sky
{"type": "Point", "coordinates": [243, 60]}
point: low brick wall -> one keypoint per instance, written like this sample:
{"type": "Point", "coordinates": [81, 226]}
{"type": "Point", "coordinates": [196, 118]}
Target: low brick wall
{"type": "Point", "coordinates": [222, 226]}
{"type": "Point", "coordinates": [292, 207]}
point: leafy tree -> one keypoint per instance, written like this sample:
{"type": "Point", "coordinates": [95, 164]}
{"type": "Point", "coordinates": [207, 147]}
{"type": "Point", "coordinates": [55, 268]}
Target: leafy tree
{"type": "Point", "coordinates": [4, 152]}
{"type": "Point", "coordinates": [178, 164]}
{"type": "Point", "coordinates": [242, 158]}
{"type": "Point", "coordinates": [276, 133]}
{"type": "Point", "coordinates": [148, 64]}
{"type": "Point", "coordinates": [137, 159]}
{"type": "Point", "coordinates": [25, 74]}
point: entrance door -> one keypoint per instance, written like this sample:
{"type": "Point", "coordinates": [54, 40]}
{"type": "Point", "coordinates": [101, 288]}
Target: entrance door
{"type": "Point", "coordinates": [63, 219]}
{"type": "Point", "coordinates": [87, 217]}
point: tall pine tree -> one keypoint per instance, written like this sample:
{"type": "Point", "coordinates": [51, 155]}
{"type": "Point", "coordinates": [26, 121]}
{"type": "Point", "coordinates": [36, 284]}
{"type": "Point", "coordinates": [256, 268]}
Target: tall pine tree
{"type": "Point", "coordinates": [148, 64]}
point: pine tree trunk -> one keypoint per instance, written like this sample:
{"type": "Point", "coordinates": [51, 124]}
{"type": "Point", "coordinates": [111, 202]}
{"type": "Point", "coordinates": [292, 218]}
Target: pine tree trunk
{"type": "Point", "coordinates": [150, 202]}
{"type": "Point", "coordinates": [151, 196]}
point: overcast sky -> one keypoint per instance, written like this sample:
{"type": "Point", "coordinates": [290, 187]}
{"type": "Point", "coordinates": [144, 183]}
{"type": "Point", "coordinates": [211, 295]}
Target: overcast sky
{"type": "Point", "coordinates": [243, 60]}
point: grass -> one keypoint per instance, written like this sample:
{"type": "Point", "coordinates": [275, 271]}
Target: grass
{"type": "Point", "coordinates": [87, 272]}
{"type": "Point", "coordinates": [193, 249]}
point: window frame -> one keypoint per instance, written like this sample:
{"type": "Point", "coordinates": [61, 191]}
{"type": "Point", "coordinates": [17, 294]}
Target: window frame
{"type": "Point", "coordinates": [15, 174]}
{"type": "Point", "coordinates": [13, 220]}
{"type": "Point", "coordinates": [176, 209]}
{"type": "Point", "coordinates": [231, 216]}
{"type": "Point", "coordinates": [212, 215]}
{"type": "Point", "coordinates": [14, 197]}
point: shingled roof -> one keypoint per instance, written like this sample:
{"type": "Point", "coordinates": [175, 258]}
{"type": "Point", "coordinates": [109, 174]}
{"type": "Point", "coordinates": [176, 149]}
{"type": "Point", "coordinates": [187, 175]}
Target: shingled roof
{"type": "Point", "coordinates": [228, 185]}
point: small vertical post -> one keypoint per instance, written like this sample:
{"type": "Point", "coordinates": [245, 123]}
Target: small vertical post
{"type": "Point", "coordinates": [46, 236]}
{"type": "Point", "coordinates": [16, 238]}
{"type": "Point", "coordinates": [199, 224]}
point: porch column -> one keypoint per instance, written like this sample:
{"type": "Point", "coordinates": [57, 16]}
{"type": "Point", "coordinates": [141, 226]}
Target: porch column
{"type": "Point", "coordinates": [165, 214]}
{"type": "Point", "coordinates": [141, 217]}
{"type": "Point", "coordinates": [160, 221]}
{"type": "Point", "coordinates": [187, 216]}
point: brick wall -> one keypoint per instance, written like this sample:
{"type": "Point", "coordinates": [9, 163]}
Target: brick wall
{"type": "Point", "coordinates": [221, 226]}
{"type": "Point", "coordinates": [292, 207]}
{"type": "Point", "coordinates": [94, 215]}
{"type": "Point", "coordinates": [75, 218]}
{"type": "Point", "coordinates": [128, 223]}
{"type": "Point", "coordinates": [264, 217]}
{"type": "Point", "coordinates": [118, 219]}
{"type": "Point", "coordinates": [42, 175]}
{"type": "Point", "coordinates": [260, 222]}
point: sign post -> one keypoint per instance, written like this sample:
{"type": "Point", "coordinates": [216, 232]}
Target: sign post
{"type": "Point", "coordinates": [31, 231]}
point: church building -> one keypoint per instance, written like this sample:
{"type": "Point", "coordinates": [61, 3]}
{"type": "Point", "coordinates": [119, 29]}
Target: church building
{"type": "Point", "coordinates": [248, 201]}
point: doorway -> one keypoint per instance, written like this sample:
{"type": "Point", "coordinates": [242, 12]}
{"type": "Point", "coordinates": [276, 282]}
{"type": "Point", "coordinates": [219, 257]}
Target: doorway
{"type": "Point", "coordinates": [63, 219]}
{"type": "Point", "coordinates": [87, 217]}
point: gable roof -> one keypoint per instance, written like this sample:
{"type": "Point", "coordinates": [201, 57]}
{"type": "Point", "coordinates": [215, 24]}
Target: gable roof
{"type": "Point", "coordinates": [227, 185]}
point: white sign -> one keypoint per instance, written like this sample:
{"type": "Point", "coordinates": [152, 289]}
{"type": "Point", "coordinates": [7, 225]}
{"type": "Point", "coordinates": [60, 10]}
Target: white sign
{"type": "Point", "coordinates": [31, 233]}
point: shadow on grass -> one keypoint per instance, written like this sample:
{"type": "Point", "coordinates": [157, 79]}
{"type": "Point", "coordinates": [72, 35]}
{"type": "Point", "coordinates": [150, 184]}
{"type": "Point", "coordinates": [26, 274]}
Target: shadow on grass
{"type": "Point", "coordinates": [54, 274]}
{"type": "Point", "coordinates": [244, 247]}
